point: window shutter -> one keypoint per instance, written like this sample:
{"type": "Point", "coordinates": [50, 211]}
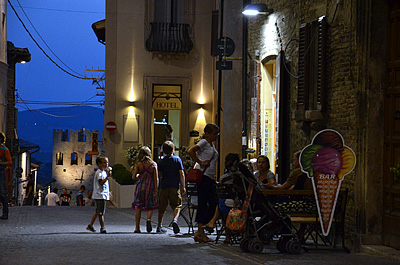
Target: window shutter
{"type": "Point", "coordinates": [303, 65]}
{"type": "Point", "coordinates": [312, 65]}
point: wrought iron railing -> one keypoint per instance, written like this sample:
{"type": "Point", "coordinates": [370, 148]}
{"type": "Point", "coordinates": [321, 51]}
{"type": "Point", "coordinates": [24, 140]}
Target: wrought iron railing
{"type": "Point", "coordinates": [169, 38]}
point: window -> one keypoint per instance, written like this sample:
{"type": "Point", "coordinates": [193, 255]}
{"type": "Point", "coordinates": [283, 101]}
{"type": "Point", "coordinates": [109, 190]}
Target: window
{"type": "Point", "coordinates": [59, 158]}
{"type": "Point", "coordinates": [88, 159]}
{"type": "Point", "coordinates": [74, 158]}
{"type": "Point", "coordinates": [312, 66]}
{"type": "Point", "coordinates": [168, 11]}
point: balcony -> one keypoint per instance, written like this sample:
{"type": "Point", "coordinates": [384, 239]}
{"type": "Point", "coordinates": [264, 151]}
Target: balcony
{"type": "Point", "coordinates": [169, 38]}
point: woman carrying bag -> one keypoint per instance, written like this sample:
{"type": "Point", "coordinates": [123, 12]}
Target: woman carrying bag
{"type": "Point", "coordinates": [205, 155]}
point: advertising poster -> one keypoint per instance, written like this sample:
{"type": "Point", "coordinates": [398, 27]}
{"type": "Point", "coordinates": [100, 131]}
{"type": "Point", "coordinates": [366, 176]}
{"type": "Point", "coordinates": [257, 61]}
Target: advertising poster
{"type": "Point", "coordinates": [327, 160]}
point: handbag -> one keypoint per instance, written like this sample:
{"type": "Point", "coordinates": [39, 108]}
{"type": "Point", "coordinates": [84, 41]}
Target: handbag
{"type": "Point", "coordinates": [194, 175]}
{"type": "Point", "coordinates": [236, 220]}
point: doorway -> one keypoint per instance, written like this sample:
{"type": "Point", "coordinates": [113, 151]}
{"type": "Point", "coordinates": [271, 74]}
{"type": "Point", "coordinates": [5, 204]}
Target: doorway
{"type": "Point", "coordinates": [167, 101]}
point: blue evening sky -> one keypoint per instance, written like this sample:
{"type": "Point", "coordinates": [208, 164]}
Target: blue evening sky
{"type": "Point", "coordinates": [65, 25]}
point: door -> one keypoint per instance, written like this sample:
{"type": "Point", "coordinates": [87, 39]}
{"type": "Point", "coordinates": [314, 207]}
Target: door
{"type": "Point", "coordinates": [391, 189]}
{"type": "Point", "coordinates": [167, 117]}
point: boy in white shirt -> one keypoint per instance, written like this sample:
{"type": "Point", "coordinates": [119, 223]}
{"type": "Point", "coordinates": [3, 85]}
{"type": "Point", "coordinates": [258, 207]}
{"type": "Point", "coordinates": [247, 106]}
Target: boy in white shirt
{"type": "Point", "coordinates": [101, 192]}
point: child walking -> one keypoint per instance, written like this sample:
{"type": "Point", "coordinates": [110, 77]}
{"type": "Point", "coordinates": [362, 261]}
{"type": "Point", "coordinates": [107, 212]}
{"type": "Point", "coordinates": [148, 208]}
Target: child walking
{"type": "Point", "coordinates": [146, 198]}
{"type": "Point", "coordinates": [171, 174]}
{"type": "Point", "coordinates": [101, 193]}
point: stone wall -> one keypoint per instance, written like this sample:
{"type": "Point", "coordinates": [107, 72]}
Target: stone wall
{"type": "Point", "coordinates": [73, 176]}
{"type": "Point", "coordinates": [352, 88]}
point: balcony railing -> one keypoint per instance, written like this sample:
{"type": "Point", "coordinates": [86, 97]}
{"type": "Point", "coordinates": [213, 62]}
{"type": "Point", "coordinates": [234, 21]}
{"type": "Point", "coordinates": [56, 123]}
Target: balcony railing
{"type": "Point", "coordinates": [169, 38]}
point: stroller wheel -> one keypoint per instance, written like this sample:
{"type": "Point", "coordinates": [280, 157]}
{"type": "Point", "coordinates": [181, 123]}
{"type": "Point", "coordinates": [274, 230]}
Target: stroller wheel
{"type": "Point", "coordinates": [244, 244]}
{"type": "Point", "coordinates": [281, 245]}
{"type": "Point", "coordinates": [293, 247]}
{"type": "Point", "coordinates": [256, 246]}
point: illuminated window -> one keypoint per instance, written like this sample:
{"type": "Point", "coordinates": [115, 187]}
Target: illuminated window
{"type": "Point", "coordinates": [59, 158]}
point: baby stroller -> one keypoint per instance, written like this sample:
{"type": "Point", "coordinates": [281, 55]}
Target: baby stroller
{"type": "Point", "coordinates": [263, 221]}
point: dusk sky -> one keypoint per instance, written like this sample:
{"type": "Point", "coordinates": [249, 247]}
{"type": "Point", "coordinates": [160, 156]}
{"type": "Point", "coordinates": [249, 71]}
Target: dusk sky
{"type": "Point", "coordinates": [65, 26]}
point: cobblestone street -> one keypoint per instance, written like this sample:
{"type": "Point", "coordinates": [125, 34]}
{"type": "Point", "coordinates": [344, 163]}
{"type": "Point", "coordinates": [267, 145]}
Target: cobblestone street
{"type": "Point", "coordinates": [57, 235]}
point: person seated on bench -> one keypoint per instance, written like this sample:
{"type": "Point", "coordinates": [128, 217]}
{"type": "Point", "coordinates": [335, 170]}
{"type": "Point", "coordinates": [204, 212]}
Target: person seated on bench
{"type": "Point", "coordinates": [264, 176]}
{"type": "Point", "coordinates": [297, 180]}
{"type": "Point", "coordinates": [225, 205]}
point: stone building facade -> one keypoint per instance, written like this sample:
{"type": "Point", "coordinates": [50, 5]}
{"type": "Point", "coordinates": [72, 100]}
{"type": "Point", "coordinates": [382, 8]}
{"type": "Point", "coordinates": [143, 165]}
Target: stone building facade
{"type": "Point", "coordinates": [73, 163]}
{"type": "Point", "coordinates": [356, 101]}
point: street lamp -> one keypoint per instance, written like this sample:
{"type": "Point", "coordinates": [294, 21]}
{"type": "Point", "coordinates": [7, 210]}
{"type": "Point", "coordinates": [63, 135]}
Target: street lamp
{"type": "Point", "coordinates": [248, 10]}
{"type": "Point", "coordinates": [255, 9]}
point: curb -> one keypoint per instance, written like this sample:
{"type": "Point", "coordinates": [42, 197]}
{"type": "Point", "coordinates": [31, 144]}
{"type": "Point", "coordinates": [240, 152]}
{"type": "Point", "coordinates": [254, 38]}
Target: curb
{"type": "Point", "coordinates": [382, 251]}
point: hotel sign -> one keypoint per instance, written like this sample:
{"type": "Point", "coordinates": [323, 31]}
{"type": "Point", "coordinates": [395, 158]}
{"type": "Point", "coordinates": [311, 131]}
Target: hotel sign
{"type": "Point", "coordinates": [164, 104]}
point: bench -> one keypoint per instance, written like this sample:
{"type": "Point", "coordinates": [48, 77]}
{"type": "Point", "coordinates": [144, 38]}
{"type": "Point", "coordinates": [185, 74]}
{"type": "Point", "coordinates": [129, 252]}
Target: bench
{"type": "Point", "coordinates": [300, 206]}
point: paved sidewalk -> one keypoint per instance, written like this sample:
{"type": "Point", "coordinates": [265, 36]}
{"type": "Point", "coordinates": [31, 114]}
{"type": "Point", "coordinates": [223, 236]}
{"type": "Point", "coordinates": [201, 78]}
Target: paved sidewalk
{"type": "Point", "coordinates": [57, 235]}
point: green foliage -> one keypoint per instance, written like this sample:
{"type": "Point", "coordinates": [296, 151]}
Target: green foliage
{"type": "Point", "coordinates": [122, 175]}
{"type": "Point", "coordinates": [396, 172]}
{"type": "Point", "coordinates": [131, 155]}
{"type": "Point", "coordinates": [186, 160]}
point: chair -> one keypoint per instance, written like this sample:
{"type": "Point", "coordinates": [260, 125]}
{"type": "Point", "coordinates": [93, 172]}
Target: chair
{"type": "Point", "coordinates": [191, 190]}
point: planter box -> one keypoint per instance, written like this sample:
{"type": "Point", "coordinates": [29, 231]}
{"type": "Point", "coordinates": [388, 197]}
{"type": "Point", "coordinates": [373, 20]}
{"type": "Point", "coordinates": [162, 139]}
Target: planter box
{"type": "Point", "coordinates": [122, 194]}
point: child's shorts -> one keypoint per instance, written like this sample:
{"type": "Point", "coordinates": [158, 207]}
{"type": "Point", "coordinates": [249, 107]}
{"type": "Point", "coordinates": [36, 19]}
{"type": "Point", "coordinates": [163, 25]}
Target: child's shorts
{"type": "Point", "coordinates": [100, 207]}
{"type": "Point", "coordinates": [171, 195]}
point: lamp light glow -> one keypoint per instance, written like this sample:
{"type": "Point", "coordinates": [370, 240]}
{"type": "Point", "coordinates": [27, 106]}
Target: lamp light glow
{"type": "Point", "coordinates": [255, 9]}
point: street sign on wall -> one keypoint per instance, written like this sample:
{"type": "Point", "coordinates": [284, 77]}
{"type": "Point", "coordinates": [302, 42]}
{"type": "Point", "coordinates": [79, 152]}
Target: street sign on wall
{"type": "Point", "coordinates": [111, 126]}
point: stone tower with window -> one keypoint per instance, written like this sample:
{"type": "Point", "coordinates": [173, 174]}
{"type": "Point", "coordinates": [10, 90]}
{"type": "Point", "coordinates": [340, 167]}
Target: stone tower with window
{"type": "Point", "coordinates": [74, 159]}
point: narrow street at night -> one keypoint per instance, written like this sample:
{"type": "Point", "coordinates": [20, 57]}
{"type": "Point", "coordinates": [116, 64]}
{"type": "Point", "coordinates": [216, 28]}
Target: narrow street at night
{"type": "Point", "coordinates": [57, 235]}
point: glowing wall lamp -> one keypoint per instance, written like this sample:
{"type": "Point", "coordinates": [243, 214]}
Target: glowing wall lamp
{"type": "Point", "coordinates": [255, 9]}
{"type": "Point", "coordinates": [131, 124]}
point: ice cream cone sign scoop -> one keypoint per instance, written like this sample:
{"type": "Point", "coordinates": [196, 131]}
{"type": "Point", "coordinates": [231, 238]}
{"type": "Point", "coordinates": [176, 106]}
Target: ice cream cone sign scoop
{"type": "Point", "coordinates": [327, 160]}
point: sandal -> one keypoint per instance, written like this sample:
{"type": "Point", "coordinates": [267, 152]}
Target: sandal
{"type": "Point", "coordinates": [208, 228]}
{"type": "Point", "coordinates": [205, 239]}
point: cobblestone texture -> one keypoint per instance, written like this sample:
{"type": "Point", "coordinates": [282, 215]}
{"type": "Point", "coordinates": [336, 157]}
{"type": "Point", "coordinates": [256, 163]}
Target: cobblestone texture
{"type": "Point", "coordinates": [57, 235]}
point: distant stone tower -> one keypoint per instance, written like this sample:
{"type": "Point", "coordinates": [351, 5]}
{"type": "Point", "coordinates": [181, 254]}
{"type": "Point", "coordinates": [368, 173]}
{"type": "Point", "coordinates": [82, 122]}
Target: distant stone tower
{"type": "Point", "coordinates": [74, 159]}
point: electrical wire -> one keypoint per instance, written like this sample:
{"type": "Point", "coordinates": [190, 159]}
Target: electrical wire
{"type": "Point", "coordinates": [37, 44]}
{"type": "Point", "coordinates": [30, 22]}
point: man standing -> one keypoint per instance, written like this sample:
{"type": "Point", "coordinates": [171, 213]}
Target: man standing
{"type": "Point", "coordinates": [79, 197]}
{"type": "Point", "coordinates": [52, 198]}
{"type": "Point", "coordinates": [65, 198]}
{"type": "Point", "coordinates": [5, 161]}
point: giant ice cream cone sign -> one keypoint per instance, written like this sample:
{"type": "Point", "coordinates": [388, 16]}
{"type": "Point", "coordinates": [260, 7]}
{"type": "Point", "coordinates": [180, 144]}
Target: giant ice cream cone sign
{"type": "Point", "coordinates": [327, 160]}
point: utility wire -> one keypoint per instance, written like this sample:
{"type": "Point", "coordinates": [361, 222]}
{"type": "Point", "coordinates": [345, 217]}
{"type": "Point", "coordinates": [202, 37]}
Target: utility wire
{"type": "Point", "coordinates": [23, 24]}
{"type": "Point", "coordinates": [30, 22]}
{"type": "Point", "coordinates": [64, 10]}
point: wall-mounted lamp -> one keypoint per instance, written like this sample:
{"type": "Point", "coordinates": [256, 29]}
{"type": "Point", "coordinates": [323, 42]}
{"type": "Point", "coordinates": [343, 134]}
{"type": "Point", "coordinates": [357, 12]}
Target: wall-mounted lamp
{"type": "Point", "coordinates": [132, 104]}
{"type": "Point", "coordinates": [255, 9]}
{"type": "Point", "coordinates": [201, 106]}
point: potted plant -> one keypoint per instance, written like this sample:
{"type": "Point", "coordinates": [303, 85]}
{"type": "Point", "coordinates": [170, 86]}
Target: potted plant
{"type": "Point", "coordinates": [396, 172]}
{"type": "Point", "coordinates": [122, 186]}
